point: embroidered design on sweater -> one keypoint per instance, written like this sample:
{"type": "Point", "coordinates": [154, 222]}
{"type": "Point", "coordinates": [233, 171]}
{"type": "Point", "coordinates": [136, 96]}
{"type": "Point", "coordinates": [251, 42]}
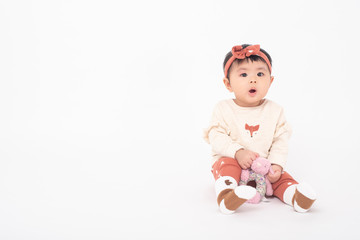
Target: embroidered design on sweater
{"type": "Point", "coordinates": [252, 129]}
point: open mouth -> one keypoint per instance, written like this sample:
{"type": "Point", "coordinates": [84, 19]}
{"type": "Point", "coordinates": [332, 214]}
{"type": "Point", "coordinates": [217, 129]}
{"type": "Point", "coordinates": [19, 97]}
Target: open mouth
{"type": "Point", "coordinates": [252, 91]}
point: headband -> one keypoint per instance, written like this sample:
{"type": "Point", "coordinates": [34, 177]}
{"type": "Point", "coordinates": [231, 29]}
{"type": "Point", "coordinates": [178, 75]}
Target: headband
{"type": "Point", "coordinates": [238, 52]}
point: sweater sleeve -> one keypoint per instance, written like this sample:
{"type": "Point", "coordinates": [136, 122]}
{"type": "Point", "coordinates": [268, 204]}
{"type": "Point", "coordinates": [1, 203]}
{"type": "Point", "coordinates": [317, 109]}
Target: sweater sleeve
{"type": "Point", "coordinates": [279, 148]}
{"type": "Point", "coordinates": [218, 135]}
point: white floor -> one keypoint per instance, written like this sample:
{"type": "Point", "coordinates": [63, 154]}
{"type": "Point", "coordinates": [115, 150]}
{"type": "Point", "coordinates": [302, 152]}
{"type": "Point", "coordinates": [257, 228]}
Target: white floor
{"type": "Point", "coordinates": [94, 198]}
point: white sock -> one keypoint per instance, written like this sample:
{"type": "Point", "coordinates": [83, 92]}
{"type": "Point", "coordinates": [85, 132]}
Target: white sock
{"type": "Point", "coordinates": [223, 183]}
{"type": "Point", "coordinates": [304, 198]}
{"type": "Point", "coordinates": [300, 196]}
{"type": "Point", "coordinates": [234, 198]}
{"type": "Point", "coordinates": [230, 196]}
{"type": "Point", "coordinates": [289, 194]}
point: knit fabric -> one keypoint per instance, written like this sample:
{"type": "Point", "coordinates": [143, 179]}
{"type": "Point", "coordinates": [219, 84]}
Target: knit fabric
{"type": "Point", "coordinates": [262, 129]}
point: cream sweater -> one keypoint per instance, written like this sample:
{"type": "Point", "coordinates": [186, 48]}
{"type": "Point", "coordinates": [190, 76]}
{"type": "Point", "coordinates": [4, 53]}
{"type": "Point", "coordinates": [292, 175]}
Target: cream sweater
{"type": "Point", "coordinates": [262, 129]}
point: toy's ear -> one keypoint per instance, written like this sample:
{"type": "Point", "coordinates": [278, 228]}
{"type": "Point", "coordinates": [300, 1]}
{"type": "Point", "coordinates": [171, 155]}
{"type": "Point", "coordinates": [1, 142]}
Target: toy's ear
{"type": "Point", "coordinates": [271, 170]}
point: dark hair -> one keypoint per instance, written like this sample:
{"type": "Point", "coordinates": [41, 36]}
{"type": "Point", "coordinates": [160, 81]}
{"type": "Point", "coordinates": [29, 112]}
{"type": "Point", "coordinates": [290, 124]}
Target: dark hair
{"type": "Point", "coordinates": [252, 58]}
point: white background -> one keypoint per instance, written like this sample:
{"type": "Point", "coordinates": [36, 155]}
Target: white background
{"type": "Point", "coordinates": [103, 103]}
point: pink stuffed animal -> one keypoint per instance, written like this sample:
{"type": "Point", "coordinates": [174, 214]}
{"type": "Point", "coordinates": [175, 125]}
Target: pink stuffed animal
{"type": "Point", "coordinates": [259, 169]}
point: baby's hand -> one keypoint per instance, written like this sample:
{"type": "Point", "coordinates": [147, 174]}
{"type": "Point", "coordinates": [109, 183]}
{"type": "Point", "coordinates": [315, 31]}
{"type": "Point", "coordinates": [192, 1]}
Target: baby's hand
{"type": "Point", "coordinates": [276, 174]}
{"type": "Point", "coordinates": [245, 158]}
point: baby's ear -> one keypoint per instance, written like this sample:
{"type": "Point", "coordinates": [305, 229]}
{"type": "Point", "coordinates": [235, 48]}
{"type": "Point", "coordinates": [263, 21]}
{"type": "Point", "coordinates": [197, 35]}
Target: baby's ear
{"type": "Point", "coordinates": [227, 84]}
{"type": "Point", "coordinates": [271, 79]}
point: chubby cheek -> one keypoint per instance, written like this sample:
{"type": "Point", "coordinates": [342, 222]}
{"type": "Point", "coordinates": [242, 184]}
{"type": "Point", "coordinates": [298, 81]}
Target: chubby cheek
{"type": "Point", "coordinates": [238, 87]}
{"type": "Point", "coordinates": [267, 85]}
{"type": "Point", "coordinates": [240, 92]}
{"type": "Point", "coordinates": [264, 89]}
{"type": "Point", "coordinates": [262, 92]}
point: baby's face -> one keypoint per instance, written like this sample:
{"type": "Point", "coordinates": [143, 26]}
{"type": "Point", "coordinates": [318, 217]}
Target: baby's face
{"type": "Point", "coordinates": [250, 82]}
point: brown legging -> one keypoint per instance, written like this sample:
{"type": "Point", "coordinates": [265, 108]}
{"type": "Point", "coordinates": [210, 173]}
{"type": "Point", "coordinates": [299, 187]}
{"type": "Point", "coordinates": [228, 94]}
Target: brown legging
{"type": "Point", "coordinates": [230, 167]}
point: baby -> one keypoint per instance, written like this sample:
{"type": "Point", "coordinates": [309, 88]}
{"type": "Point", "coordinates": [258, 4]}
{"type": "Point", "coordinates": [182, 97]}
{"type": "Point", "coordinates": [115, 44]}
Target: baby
{"type": "Point", "coordinates": [248, 127]}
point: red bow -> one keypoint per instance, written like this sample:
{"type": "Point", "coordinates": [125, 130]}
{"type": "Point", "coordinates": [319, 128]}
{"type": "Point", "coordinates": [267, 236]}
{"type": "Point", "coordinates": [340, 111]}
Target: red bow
{"type": "Point", "coordinates": [240, 52]}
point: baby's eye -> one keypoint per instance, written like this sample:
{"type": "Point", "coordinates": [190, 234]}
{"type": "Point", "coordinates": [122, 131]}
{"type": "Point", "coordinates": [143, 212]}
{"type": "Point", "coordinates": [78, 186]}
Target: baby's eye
{"type": "Point", "coordinates": [260, 74]}
{"type": "Point", "coordinates": [243, 75]}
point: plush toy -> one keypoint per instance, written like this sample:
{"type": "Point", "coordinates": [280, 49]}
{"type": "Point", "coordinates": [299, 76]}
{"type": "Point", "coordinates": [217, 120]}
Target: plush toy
{"type": "Point", "coordinates": [259, 169]}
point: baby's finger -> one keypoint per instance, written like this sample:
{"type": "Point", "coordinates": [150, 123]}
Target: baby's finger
{"type": "Point", "coordinates": [276, 174]}
{"type": "Point", "coordinates": [243, 166]}
{"type": "Point", "coordinates": [271, 179]}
